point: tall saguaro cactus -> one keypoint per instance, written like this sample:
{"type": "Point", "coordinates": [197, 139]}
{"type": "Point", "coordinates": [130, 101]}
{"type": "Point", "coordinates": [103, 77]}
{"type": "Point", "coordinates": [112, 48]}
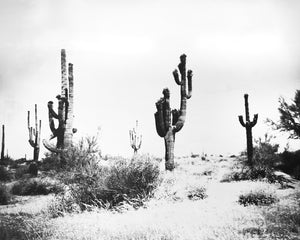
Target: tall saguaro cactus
{"type": "Point", "coordinates": [64, 131]}
{"type": "Point", "coordinates": [34, 134]}
{"type": "Point", "coordinates": [248, 125]}
{"type": "Point", "coordinates": [168, 122]}
{"type": "Point", "coordinates": [135, 138]}
{"type": "Point", "coordinates": [3, 143]}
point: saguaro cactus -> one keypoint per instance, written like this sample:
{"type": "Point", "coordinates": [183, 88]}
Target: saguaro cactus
{"type": "Point", "coordinates": [135, 138]}
{"type": "Point", "coordinates": [248, 125]}
{"type": "Point", "coordinates": [34, 134]}
{"type": "Point", "coordinates": [3, 143]}
{"type": "Point", "coordinates": [168, 122]}
{"type": "Point", "coordinates": [64, 131]}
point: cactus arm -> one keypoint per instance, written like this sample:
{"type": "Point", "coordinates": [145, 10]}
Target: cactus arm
{"type": "Point", "coordinates": [242, 121]}
{"type": "Point", "coordinates": [176, 77]}
{"type": "Point", "coordinates": [183, 95]}
{"type": "Point", "coordinates": [253, 123]}
{"type": "Point", "coordinates": [140, 142]}
{"type": "Point", "coordinates": [160, 131]}
{"type": "Point", "coordinates": [51, 111]}
{"type": "Point", "coordinates": [51, 147]}
{"type": "Point", "coordinates": [159, 119]}
{"type": "Point", "coordinates": [190, 87]}
{"type": "Point", "coordinates": [175, 116]}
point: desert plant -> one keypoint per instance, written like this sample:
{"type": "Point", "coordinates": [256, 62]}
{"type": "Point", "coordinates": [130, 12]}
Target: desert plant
{"type": "Point", "coordinates": [4, 174]}
{"type": "Point", "coordinates": [5, 196]}
{"type": "Point", "coordinates": [197, 193]}
{"type": "Point", "coordinates": [135, 139]}
{"type": "Point", "coordinates": [259, 197]}
{"type": "Point", "coordinates": [248, 125]}
{"type": "Point", "coordinates": [3, 144]}
{"type": "Point", "coordinates": [34, 133]}
{"type": "Point", "coordinates": [129, 181]}
{"type": "Point", "coordinates": [168, 122]}
{"type": "Point", "coordinates": [64, 131]}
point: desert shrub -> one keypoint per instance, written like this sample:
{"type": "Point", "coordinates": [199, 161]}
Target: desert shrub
{"type": "Point", "coordinates": [92, 181]}
{"type": "Point", "coordinates": [5, 196]}
{"type": "Point", "coordinates": [35, 187]}
{"type": "Point", "coordinates": [265, 159]}
{"type": "Point", "coordinates": [290, 163]}
{"type": "Point", "coordinates": [4, 174]}
{"type": "Point", "coordinates": [125, 181]}
{"type": "Point", "coordinates": [21, 171]}
{"type": "Point", "coordinates": [33, 169]}
{"type": "Point", "coordinates": [197, 193]}
{"type": "Point", "coordinates": [259, 198]}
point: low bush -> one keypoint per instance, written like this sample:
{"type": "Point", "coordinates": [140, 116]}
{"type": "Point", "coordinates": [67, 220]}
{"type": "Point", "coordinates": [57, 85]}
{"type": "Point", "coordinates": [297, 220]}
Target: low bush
{"type": "Point", "coordinates": [94, 182]}
{"type": "Point", "coordinates": [124, 181]}
{"type": "Point", "coordinates": [259, 198]}
{"type": "Point", "coordinates": [197, 194]}
{"type": "Point", "coordinates": [4, 174]}
{"type": "Point", "coordinates": [265, 159]}
{"type": "Point", "coordinates": [35, 187]}
{"type": "Point", "coordinates": [21, 171]}
{"type": "Point", "coordinates": [5, 196]}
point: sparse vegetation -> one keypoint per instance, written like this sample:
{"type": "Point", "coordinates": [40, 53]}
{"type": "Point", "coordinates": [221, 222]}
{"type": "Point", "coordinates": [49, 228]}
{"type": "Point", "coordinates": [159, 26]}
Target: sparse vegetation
{"type": "Point", "coordinates": [260, 198]}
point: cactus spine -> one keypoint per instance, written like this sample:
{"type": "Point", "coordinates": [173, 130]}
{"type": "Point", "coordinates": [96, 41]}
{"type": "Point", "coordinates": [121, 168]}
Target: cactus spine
{"type": "Point", "coordinates": [248, 125]}
{"type": "Point", "coordinates": [135, 139]}
{"type": "Point", "coordinates": [168, 122]}
{"type": "Point", "coordinates": [34, 134]}
{"type": "Point", "coordinates": [64, 131]}
{"type": "Point", "coordinates": [3, 143]}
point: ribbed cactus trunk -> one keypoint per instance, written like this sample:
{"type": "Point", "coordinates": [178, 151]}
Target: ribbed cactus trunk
{"type": "Point", "coordinates": [3, 143]}
{"type": "Point", "coordinates": [248, 125]}
{"type": "Point", "coordinates": [169, 150]}
{"type": "Point", "coordinates": [35, 135]}
{"type": "Point", "coordinates": [64, 131]}
{"type": "Point", "coordinates": [168, 122]}
{"type": "Point", "coordinates": [69, 121]}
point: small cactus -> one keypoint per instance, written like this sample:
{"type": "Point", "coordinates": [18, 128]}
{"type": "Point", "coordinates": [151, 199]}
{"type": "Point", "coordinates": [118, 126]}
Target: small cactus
{"type": "Point", "coordinates": [248, 125]}
{"type": "Point", "coordinates": [34, 135]}
{"type": "Point", "coordinates": [168, 122]}
{"type": "Point", "coordinates": [64, 131]}
{"type": "Point", "coordinates": [135, 138]}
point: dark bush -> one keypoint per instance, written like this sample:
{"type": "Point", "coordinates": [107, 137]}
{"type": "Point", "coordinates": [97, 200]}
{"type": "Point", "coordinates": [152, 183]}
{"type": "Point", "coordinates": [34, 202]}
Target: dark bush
{"type": "Point", "coordinates": [290, 163]}
{"type": "Point", "coordinates": [5, 196]}
{"type": "Point", "coordinates": [33, 169]}
{"type": "Point", "coordinates": [197, 194]}
{"type": "Point", "coordinates": [21, 171]}
{"type": "Point", "coordinates": [34, 187]}
{"type": "Point", "coordinates": [4, 174]}
{"type": "Point", "coordinates": [257, 198]}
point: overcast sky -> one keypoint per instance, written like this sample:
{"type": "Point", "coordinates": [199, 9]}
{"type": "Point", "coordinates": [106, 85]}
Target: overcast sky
{"type": "Point", "coordinates": [124, 53]}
